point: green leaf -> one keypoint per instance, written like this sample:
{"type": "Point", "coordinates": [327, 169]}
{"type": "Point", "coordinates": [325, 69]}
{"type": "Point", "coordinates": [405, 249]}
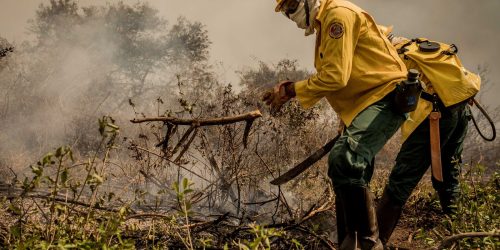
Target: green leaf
{"type": "Point", "coordinates": [52, 181]}
{"type": "Point", "coordinates": [102, 125]}
{"type": "Point", "coordinates": [15, 209]}
{"type": "Point", "coordinates": [15, 230]}
{"type": "Point", "coordinates": [59, 152]}
{"type": "Point", "coordinates": [71, 156]}
{"type": "Point", "coordinates": [113, 126]}
{"type": "Point", "coordinates": [122, 211]}
{"type": "Point", "coordinates": [97, 179]}
{"type": "Point", "coordinates": [37, 170]}
{"type": "Point", "coordinates": [176, 187]}
{"type": "Point", "coordinates": [47, 159]}
{"type": "Point", "coordinates": [64, 176]}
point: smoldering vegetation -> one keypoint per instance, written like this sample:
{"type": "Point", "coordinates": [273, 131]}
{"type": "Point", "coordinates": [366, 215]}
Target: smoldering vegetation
{"type": "Point", "coordinates": [69, 151]}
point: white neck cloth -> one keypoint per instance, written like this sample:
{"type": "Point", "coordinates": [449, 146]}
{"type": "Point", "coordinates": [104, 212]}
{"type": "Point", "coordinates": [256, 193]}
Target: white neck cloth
{"type": "Point", "coordinates": [299, 17]}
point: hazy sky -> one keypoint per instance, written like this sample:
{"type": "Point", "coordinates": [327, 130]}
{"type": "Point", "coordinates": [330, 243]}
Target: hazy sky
{"type": "Point", "coordinates": [246, 31]}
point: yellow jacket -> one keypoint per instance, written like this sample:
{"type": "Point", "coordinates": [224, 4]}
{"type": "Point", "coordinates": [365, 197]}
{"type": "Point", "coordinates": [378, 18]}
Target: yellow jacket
{"type": "Point", "coordinates": [442, 74]}
{"type": "Point", "coordinates": [356, 65]}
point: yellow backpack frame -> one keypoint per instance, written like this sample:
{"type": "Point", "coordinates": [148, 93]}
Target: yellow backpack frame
{"type": "Point", "coordinates": [442, 69]}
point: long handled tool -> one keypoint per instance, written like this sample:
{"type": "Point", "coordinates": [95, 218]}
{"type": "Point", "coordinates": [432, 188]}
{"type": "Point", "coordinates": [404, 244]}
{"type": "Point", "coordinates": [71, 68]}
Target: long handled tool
{"type": "Point", "coordinates": [305, 164]}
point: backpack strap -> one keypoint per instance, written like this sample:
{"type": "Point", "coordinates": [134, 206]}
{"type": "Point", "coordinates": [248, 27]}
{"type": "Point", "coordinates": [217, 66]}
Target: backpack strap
{"type": "Point", "coordinates": [434, 99]}
{"type": "Point", "coordinates": [403, 48]}
{"type": "Point", "coordinates": [453, 50]}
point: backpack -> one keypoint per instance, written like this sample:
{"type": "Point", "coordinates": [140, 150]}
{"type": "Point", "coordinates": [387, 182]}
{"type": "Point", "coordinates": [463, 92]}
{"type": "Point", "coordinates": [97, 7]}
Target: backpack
{"type": "Point", "coordinates": [443, 72]}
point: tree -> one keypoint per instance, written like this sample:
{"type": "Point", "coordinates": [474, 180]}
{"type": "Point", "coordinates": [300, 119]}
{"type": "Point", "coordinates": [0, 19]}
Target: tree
{"type": "Point", "coordinates": [91, 60]}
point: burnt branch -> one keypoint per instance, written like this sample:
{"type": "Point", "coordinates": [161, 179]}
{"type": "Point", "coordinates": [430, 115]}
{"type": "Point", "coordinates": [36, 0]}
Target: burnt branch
{"type": "Point", "coordinates": [250, 116]}
{"type": "Point", "coordinates": [183, 139]}
{"type": "Point", "coordinates": [4, 52]}
{"type": "Point", "coordinates": [186, 147]}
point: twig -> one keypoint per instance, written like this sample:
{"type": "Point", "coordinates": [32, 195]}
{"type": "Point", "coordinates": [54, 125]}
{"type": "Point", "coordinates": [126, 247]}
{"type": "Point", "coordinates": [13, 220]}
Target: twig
{"type": "Point", "coordinates": [325, 242]}
{"type": "Point", "coordinates": [261, 203]}
{"type": "Point", "coordinates": [63, 200]}
{"type": "Point", "coordinates": [160, 156]}
{"type": "Point", "coordinates": [206, 225]}
{"type": "Point", "coordinates": [248, 126]}
{"type": "Point", "coordinates": [449, 240]}
{"type": "Point", "coordinates": [313, 211]}
{"type": "Point", "coordinates": [147, 215]}
{"type": "Point", "coordinates": [183, 139]}
{"type": "Point", "coordinates": [152, 179]}
{"type": "Point", "coordinates": [186, 147]}
{"type": "Point", "coordinates": [203, 122]}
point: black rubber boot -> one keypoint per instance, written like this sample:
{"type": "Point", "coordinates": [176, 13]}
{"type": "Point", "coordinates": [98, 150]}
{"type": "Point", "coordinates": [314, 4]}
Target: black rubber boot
{"type": "Point", "coordinates": [339, 213]}
{"type": "Point", "coordinates": [360, 219]}
{"type": "Point", "coordinates": [447, 201]}
{"type": "Point", "coordinates": [388, 214]}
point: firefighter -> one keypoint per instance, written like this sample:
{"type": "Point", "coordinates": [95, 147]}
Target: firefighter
{"type": "Point", "coordinates": [447, 88]}
{"type": "Point", "coordinates": [357, 72]}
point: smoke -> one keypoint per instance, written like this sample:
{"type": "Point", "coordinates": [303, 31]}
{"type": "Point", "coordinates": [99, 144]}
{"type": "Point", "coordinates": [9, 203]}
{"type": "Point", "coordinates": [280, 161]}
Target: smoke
{"type": "Point", "coordinates": [82, 66]}
{"type": "Point", "coordinates": [51, 86]}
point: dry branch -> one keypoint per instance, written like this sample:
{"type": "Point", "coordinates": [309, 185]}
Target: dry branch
{"type": "Point", "coordinates": [447, 242]}
{"type": "Point", "coordinates": [148, 215]}
{"type": "Point", "coordinates": [326, 242]}
{"type": "Point", "coordinates": [250, 116]}
{"type": "Point", "coordinates": [165, 158]}
{"type": "Point", "coordinates": [62, 200]}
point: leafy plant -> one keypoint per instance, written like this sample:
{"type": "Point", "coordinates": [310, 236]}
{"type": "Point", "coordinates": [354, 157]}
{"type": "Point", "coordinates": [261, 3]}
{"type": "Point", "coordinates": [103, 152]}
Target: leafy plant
{"type": "Point", "coordinates": [477, 209]}
{"type": "Point", "coordinates": [261, 238]}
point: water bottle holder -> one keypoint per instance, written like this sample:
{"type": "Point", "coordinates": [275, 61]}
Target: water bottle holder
{"type": "Point", "coordinates": [406, 99]}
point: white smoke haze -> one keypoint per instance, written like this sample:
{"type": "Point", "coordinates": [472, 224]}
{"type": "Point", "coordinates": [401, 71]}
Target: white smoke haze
{"type": "Point", "coordinates": [62, 81]}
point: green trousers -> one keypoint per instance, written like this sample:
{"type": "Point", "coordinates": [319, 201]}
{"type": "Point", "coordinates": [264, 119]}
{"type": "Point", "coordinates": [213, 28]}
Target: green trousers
{"type": "Point", "coordinates": [414, 158]}
{"type": "Point", "coordinates": [350, 160]}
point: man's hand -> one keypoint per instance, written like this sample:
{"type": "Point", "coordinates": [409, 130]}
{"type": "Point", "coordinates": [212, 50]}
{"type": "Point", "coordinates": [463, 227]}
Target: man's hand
{"type": "Point", "coordinates": [279, 95]}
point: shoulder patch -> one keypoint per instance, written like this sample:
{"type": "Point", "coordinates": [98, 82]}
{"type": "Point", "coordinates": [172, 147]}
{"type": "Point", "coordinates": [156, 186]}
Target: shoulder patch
{"type": "Point", "coordinates": [336, 30]}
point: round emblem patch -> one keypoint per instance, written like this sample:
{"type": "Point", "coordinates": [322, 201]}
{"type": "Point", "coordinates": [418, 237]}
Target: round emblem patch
{"type": "Point", "coordinates": [336, 30]}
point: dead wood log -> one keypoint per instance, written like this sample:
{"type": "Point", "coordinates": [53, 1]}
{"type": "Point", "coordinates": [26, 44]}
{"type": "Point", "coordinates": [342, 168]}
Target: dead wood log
{"type": "Point", "coordinates": [448, 241]}
{"type": "Point", "coordinates": [203, 122]}
{"type": "Point", "coordinates": [249, 118]}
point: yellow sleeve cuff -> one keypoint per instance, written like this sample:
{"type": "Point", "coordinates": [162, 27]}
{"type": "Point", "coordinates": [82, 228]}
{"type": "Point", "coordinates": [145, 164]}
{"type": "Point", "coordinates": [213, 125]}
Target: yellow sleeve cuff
{"type": "Point", "coordinates": [304, 96]}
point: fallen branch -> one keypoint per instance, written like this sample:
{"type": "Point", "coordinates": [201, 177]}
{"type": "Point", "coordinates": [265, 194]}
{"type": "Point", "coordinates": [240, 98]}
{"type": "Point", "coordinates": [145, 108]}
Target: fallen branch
{"type": "Point", "coordinates": [261, 203]}
{"type": "Point", "coordinates": [62, 200]}
{"type": "Point", "coordinates": [326, 242]}
{"type": "Point", "coordinates": [202, 122]}
{"type": "Point", "coordinates": [448, 241]}
{"type": "Point", "coordinates": [202, 226]}
{"type": "Point", "coordinates": [148, 215]}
